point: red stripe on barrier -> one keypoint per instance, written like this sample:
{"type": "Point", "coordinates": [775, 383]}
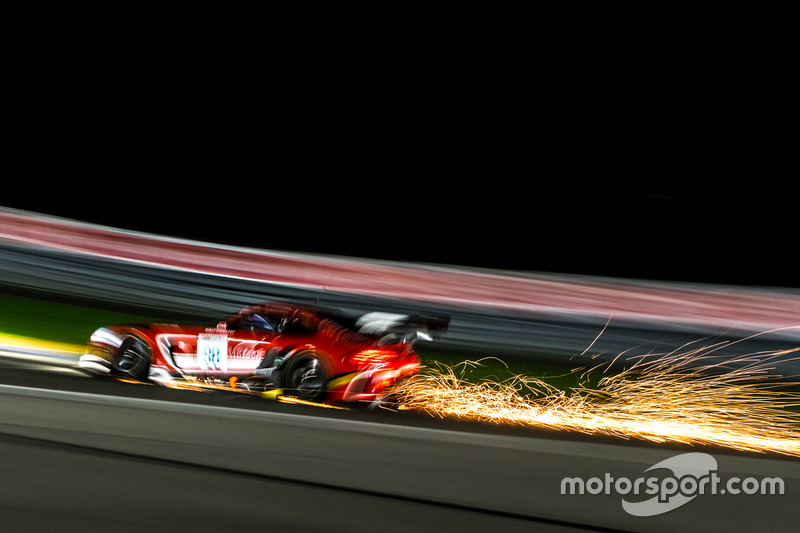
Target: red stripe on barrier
{"type": "Point", "coordinates": [719, 306]}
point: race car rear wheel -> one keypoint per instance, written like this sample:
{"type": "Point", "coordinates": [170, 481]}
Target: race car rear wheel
{"type": "Point", "coordinates": [133, 358]}
{"type": "Point", "coordinates": [305, 377]}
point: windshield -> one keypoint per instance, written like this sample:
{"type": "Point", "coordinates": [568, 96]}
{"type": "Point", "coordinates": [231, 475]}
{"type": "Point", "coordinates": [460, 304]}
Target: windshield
{"type": "Point", "coordinates": [251, 322]}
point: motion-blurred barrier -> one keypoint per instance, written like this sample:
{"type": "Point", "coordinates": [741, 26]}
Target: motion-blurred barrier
{"type": "Point", "coordinates": [493, 313]}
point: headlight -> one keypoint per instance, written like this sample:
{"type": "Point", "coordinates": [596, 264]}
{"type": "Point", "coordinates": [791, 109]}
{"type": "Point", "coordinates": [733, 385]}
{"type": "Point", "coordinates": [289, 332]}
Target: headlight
{"type": "Point", "coordinates": [106, 336]}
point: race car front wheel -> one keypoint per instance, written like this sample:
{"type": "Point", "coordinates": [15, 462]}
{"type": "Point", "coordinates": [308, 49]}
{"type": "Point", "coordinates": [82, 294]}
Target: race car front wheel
{"type": "Point", "coordinates": [305, 378]}
{"type": "Point", "coordinates": [133, 358]}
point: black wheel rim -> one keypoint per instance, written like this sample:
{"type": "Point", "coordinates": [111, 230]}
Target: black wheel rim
{"type": "Point", "coordinates": [307, 378]}
{"type": "Point", "coordinates": [133, 358]}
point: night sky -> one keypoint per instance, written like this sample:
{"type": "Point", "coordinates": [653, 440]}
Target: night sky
{"type": "Point", "coordinates": [590, 168]}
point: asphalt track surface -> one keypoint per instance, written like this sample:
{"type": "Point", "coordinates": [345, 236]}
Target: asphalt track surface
{"type": "Point", "coordinates": [93, 454]}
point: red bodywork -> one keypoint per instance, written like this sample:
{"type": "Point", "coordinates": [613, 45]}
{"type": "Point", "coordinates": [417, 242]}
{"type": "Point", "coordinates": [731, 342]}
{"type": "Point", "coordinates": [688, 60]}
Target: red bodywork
{"type": "Point", "coordinates": [263, 344]}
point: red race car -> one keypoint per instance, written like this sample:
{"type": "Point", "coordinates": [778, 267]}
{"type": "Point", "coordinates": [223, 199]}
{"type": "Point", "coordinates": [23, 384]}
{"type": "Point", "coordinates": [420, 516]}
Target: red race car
{"type": "Point", "coordinates": [309, 353]}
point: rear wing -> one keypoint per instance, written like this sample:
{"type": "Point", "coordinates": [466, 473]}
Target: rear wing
{"type": "Point", "coordinates": [394, 327]}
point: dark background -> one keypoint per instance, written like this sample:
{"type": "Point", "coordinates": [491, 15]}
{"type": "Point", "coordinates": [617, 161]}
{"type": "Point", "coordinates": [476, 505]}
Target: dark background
{"type": "Point", "coordinates": [647, 161]}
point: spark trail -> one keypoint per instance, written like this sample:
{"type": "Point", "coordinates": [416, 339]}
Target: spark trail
{"type": "Point", "coordinates": [693, 395]}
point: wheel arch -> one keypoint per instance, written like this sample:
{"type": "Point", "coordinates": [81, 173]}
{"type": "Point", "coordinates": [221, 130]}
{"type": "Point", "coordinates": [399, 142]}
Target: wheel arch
{"type": "Point", "coordinates": [291, 352]}
{"type": "Point", "coordinates": [141, 334]}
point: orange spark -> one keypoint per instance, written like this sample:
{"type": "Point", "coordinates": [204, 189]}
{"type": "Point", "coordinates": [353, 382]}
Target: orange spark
{"type": "Point", "coordinates": [692, 395]}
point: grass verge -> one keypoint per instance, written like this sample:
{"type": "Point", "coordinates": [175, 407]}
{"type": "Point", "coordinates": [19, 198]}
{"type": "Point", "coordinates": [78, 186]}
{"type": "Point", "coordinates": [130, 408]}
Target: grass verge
{"type": "Point", "coordinates": [54, 323]}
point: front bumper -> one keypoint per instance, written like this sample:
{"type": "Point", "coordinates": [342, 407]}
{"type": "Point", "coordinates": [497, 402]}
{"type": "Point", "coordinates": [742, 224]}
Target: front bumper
{"type": "Point", "coordinates": [94, 364]}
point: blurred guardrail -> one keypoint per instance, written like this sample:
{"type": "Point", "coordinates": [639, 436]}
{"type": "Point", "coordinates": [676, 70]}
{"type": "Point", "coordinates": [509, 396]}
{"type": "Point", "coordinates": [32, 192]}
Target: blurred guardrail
{"type": "Point", "coordinates": [494, 313]}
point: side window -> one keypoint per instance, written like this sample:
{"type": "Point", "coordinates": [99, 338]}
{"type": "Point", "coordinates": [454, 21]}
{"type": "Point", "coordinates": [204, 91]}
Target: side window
{"type": "Point", "coordinates": [258, 323]}
{"type": "Point", "coordinates": [293, 326]}
{"type": "Point", "coordinates": [251, 322]}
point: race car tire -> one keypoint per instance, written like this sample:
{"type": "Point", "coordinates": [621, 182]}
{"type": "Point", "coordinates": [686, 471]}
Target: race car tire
{"type": "Point", "coordinates": [133, 358]}
{"type": "Point", "coordinates": [305, 377]}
